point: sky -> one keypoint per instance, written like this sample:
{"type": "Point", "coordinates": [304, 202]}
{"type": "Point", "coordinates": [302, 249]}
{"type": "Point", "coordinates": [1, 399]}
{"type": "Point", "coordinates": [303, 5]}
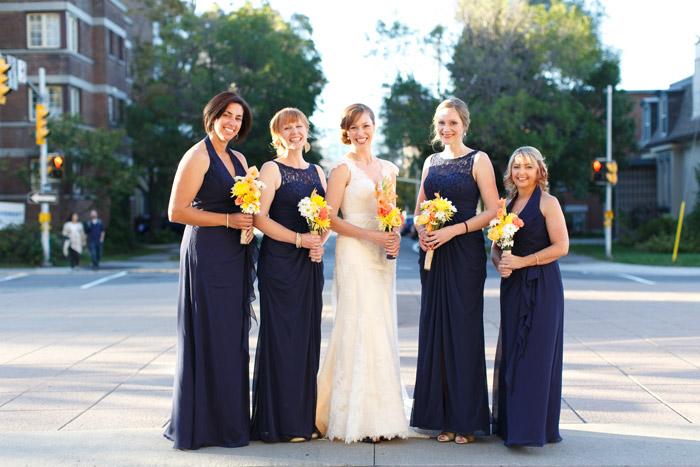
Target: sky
{"type": "Point", "coordinates": [655, 40]}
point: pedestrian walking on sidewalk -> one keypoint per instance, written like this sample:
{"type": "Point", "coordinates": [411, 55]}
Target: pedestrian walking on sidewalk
{"type": "Point", "coordinates": [75, 240]}
{"type": "Point", "coordinates": [528, 366]}
{"type": "Point", "coordinates": [450, 395]}
{"type": "Point", "coordinates": [95, 229]}
{"type": "Point", "coordinates": [211, 402]}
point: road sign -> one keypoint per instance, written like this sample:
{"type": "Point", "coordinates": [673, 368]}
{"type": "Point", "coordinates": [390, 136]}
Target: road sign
{"type": "Point", "coordinates": [44, 217]}
{"type": "Point", "coordinates": [36, 197]}
{"type": "Point", "coordinates": [21, 71]}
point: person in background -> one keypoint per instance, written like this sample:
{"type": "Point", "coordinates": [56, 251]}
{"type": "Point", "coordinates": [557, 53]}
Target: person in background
{"type": "Point", "coordinates": [95, 229]}
{"type": "Point", "coordinates": [75, 238]}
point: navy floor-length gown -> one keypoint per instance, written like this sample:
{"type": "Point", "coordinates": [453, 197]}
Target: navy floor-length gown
{"type": "Point", "coordinates": [528, 367]}
{"type": "Point", "coordinates": [211, 400]}
{"type": "Point", "coordinates": [450, 392]}
{"type": "Point", "coordinates": [289, 341]}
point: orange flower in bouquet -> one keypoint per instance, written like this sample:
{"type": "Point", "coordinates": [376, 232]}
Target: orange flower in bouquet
{"type": "Point", "coordinates": [388, 215]}
{"type": "Point", "coordinates": [503, 227]}
{"type": "Point", "coordinates": [434, 214]}
{"type": "Point", "coordinates": [247, 190]}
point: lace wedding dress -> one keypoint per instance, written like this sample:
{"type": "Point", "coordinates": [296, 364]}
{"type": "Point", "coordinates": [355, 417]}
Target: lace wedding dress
{"type": "Point", "coordinates": [359, 385]}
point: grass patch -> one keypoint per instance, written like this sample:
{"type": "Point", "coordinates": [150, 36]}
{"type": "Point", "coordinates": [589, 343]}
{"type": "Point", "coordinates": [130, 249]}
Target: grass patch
{"type": "Point", "coordinates": [623, 254]}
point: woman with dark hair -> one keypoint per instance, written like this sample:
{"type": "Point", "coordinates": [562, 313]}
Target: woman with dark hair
{"type": "Point", "coordinates": [211, 402]}
{"type": "Point", "coordinates": [360, 395]}
{"type": "Point", "coordinates": [450, 395]}
{"type": "Point", "coordinates": [290, 281]}
{"type": "Point", "coordinates": [75, 239]}
{"type": "Point", "coordinates": [528, 366]}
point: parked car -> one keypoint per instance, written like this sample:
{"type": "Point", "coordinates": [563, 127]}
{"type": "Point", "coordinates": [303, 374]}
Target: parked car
{"type": "Point", "coordinates": [408, 228]}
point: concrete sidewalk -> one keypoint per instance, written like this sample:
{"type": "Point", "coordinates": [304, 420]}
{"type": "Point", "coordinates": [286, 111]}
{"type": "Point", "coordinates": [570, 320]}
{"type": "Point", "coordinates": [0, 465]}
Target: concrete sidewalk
{"type": "Point", "coordinates": [86, 376]}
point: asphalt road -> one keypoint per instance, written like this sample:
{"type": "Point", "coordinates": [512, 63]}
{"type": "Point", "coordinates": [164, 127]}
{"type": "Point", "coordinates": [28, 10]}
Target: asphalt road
{"type": "Point", "coordinates": [131, 273]}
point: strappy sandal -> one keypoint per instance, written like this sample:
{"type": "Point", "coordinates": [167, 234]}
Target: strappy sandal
{"type": "Point", "coordinates": [297, 439]}
{"type": "Point", "coordinates": [371, 440]}
{"type": "Point", "coordinates": [464, 439]}
{"type": "Point", "coordinates": [446, 437]}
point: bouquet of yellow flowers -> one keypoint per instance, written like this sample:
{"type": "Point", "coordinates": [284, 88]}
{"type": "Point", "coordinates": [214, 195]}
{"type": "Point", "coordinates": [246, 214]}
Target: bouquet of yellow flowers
{"type": "Point", "coordinates": [388, 214]}
{"type": "Point", "coordinates": [246, 190]}
{"type": "Point", "coordinates": [434, 214]}
{"type": "Point", "coordinates": [503, 227]}
{"type": "Point", "coordinates": [316, 212]}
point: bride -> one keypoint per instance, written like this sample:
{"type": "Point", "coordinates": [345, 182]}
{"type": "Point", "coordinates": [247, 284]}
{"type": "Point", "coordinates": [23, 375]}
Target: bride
{"type": "Point", "coordinates": [360, 395]}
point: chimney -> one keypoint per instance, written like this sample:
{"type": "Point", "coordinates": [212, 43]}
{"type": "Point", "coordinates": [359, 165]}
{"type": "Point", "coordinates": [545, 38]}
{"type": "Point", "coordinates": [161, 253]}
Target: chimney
{"type": "Point", "coordinates": [696, 82]}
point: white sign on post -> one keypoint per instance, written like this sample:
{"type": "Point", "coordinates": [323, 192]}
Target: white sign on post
{"type": "Point", "coordinates": [11, 213]}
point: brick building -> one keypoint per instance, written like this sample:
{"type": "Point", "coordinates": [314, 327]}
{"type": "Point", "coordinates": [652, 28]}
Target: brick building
{"type": "Point", "coordinates": [85, 47]}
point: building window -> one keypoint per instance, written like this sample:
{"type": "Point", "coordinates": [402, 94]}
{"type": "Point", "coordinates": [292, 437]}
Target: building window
{"type": "Point", "coordinates": [74, 101]}
{"type": "Point", "coordinates": [43, 30]}
{"type": "Point", "coordinates": [110, 109]}
{"type": "Point", "coordinates": [55, 102]}
{"type": "Point", "coordinates": [664, 181]}
{"type": "Point", "coordinates": [72, 28]}
{"type": "Point", "coordinates": [646, 123]}
{"type": "Point", "coordinates": [663, 115]}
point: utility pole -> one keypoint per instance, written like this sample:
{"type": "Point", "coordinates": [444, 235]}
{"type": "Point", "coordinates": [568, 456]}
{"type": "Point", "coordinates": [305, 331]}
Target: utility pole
{"type": "Point", "coordinates": [45, 216]}
{"type": "Point", "coordinates": [608, 186]}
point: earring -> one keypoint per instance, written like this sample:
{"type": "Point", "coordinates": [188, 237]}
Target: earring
{"type": "Point", "coordinates": [235, 138]}
{"type": "Point", "coordinates": [307, 147]}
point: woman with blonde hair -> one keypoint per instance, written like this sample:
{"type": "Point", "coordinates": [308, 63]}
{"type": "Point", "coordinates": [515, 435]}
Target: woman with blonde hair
{"type": "Point", "coordinates": [290, 281]}
{"type": "Point", "coordinates": [528, 366]}
{"type": "Point", "coordinates": [450, 395]}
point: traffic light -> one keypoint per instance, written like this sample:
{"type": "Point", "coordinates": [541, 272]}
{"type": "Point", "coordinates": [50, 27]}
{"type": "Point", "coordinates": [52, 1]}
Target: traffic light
{"type": "Point", "coordinates": [41, 124]}
{"type": "Point", "coordinates": [604, 172]}
{"type": "Point", "coordinates": [611, 174]}
{"type": "Point", "coordinates": [4, 88]}
{"type": "Point", "coordinates": [598, 174]}
{"type": "Point", "coordinates": [55, 166]}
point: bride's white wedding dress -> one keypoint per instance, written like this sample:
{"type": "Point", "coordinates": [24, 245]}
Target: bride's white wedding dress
{"type": "Point", "coordinates": [359, 385]}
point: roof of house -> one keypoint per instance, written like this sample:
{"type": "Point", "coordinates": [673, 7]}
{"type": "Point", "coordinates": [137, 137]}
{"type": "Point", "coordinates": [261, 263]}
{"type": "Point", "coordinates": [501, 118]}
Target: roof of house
{"type": "Point", "coordinates": [681, 125]}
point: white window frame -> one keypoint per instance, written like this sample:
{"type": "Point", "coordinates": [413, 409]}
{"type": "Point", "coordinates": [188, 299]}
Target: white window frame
{"type": "Point", "coordinates": [646, 122]}
{"type": "Point", "coordinates": [55, 94]}
{"type": "Point", "coordinates": [663, 115]}
{"type": "Point", "coordinates": [110, 109]}
{"type": "Point", "coordinates": [74, 101]}
{"type": "Point", "coordinates": [72, 33]}
{"type": "Point", "coordinates": [48, 41]}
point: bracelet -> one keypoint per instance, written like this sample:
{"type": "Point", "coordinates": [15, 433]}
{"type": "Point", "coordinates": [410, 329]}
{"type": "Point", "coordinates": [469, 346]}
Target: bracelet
{"type": "Point", "coordinates": [466, 226]}
{"type": "Point", "coordinates": [227, 220]}
{"type": "Point", "coordinates": [298, 244]}
{"type": "Point", "coordinates": [537, 259]}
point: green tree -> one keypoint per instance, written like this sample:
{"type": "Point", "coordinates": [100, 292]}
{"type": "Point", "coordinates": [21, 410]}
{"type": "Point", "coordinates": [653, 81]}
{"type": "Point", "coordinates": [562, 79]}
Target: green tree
{"type": "Point", "coordinates": [535, 74]}
{"type": "Point", "coordinates": [97, 163]}
{"type": "Point", "coordinates": [270, 62]}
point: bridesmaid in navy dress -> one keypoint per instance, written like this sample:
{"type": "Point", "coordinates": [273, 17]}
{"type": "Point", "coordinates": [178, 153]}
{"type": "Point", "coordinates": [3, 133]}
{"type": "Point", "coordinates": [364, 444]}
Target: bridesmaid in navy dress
{"type": "Point", "coordinates": [290, 281]}
{"type": "Point", "coordinates": [528, 367]}
{"type": "Point", "coordinates": [450, 393]}
{"type": "Point", "coordinates": [211, 401]}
